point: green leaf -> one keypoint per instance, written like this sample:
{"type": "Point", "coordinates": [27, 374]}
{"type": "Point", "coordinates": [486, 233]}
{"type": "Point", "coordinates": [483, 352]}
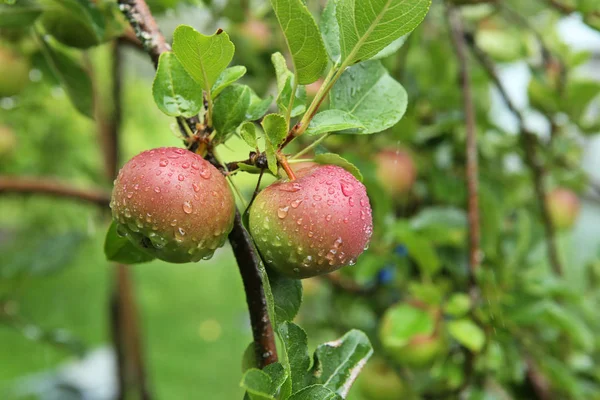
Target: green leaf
{"type": "Point", "coordinates": [303, 39]}
{"type": "Point", "coordinates": [258, 107]}
{"type": "Point", "coordinates": [287, 294]}
{"type": "Point", "coordinates": [227, 77]}
{"type": "Point", "coordinates": [264, 384]}
{"type": "Point", "coordinates": [19, 14]}
{"type": "Point", "coordinates": [370, 94]}
{"type": "Point", "coordinates": [467, 333]}
{"type": "Point", "coordinates": [338, 363]}
{"type": "Point", "coordinates": [330, 30]}
{"type": "Point", "coordinates": [175, 92]}
{"type": "Point", "coordinates": [404, 322]}
{"type": "Point", "coordinates": [335, 159]}
{"type": "Point", "coordinates": [230, 109]}
{"type": "Point", "coordinates": [119, 249]}
{"type": "Point", "coordinates": [333, 121]}
{"type": "Point", "coordinates": [64, 16]}
{"type": "Point", "coordinates": [420, 249]}
{"type": "Point", "coordinates": [315, 392]}
{"type": "Point", "coordinates": [71, 74]}
{"type": "Point", "coordinates": [442, 225]}
{"type": "Point", "coordinates": [40, 257]}
{"type": "Point", "coordinates": [367, 27]}
{"type": "Point", "coordinates": [271, 157]}
{"type": "Point", "coordinates": [296, 353]}
{"type": "Point", "coordinates": [285, 85]}
{"type": "Point", "coordinates": [248, 133]}
{"type": "Point", "coordinates": [257, 384]}
{"type": "Point", "coordinates": [275, 127]}
{"type": "Point", "coordinates": [203, 57]}
{"type": "Point", "coordinates": [391, 48]}
{"type": "Point", "coordinates": [458, 305]}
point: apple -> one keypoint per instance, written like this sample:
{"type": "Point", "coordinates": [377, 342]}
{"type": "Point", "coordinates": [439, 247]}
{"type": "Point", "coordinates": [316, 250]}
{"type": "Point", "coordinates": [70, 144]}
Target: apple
{"type": "Point", "coordinates": [173, 204]}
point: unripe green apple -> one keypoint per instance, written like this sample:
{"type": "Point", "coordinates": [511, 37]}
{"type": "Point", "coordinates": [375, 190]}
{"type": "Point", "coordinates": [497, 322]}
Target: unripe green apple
{"type": "Point", "coordinates": [377, 381]}
{"type": "Point", "coordinates": [313, 225]}
{"type": "Point", "coordinates": [396, 171]}
{"type": "Point", "coordinates": [173, 204]}
{"type": "Point", "coordinates": [409, 334]}
{"type": "Point", "coordinates": [14, 72]}
{"type": "Point", "coordinates": [8, 140]}
{"type": "Point", "coordinates": [68, 30]}
{"type": "Point", "coordinates": [563, 205]}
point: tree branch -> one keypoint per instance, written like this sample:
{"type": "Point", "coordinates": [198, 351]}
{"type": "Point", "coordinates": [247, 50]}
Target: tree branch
{"type": "Point", "coordinates": [53, 188]}
{"type": "Point", "coordinates": [145, 27]}
{"type": "Point", "coordinates": [530, 145]}
{"type": "Point", "coordinates": [248, 261]}
{"type": "Point", "coordinates": [147, 31]}
{"type": "Point", "coordinates": [472, 167]}
{"type": "Point", "coordinates": [126, 336]}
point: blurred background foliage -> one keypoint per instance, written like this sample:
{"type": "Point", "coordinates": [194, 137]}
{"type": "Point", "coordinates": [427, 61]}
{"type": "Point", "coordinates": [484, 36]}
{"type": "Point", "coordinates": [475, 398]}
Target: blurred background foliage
{"type": "Point", "coordinates": [530, 329]}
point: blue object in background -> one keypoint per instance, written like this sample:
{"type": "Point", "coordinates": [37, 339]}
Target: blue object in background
{"type": "Point", "coordinates": [386, 274]}
{"type": "Point", "coordinates": [401, 250]}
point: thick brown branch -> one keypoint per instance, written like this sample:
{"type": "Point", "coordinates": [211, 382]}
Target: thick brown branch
{"type": "Point", "coordinates": [53, 188]}
{"type": "Point", "coordinates": [248, 261]}
{"type": "Point", "coordinates": [530, 145]}
{"type": "Point", "coordinates": [145, 27]}
{"type": "Point", "coordinates": [457, 34]}
{"type": "Point", "coordinates": [146, 30]}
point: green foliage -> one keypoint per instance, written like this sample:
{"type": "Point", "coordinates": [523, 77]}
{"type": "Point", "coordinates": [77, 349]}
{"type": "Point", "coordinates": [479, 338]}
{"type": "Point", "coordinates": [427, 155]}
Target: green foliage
{"type": "Point", "coordinates": [71, 74]}
{"type": "Point", "coordinates": [230, 109]}
{"type": "Point", "coordinates": [119, 249]}
{"type": "Point", "coordinates": [335, 159]}
{"type": "Point", "coordinates": [368, 93]}
{"type": "Point", "coordinates": [175, 92]}
{"type": "Point", "coordinates": [366, 28]}
{"type": "Point", "coordinates": [303, 39]}
{"type": "Point", "coordinates": [203, 57]}
{"type": "Point", "coordinates": [334, 121]}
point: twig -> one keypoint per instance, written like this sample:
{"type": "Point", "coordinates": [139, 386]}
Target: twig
{"type": "Point", "coordinates": [146, 29]}
{"type": "Point", "coordinates": [53, 188]}
{"type": "Point", "coordinates": [127, 337]}
{"type": "Point", "coordinates": [567, 9]}
{"type": "Point", "coordinates": [530, 144]}
{"type": "Point", "coordinates": [125, 330]}
{"type": "Point", "coordinates": [539, 383]}
{"type": "Point", "coordinates": [472, 169]}
{"type": "Point", "coordinates": [458, 40]}
{"type": "Point", "coordinates": [248, 261]}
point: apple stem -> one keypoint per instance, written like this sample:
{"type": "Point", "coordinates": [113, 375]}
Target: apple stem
{"type": "Point", "coordinates": [286, 166]}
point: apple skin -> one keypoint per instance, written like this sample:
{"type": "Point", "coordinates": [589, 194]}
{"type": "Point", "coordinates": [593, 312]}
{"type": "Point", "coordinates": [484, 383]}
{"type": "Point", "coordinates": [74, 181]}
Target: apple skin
{"type": "Point", "coordinates": [14, 72]}
{"type": "Point", "coordinates": [314, 225]}
{"type": "Point", "coordinates": [173, 204]}
{"type": "Point", "coordinates": [396, 171]}
{"type": "Point", "coordinates": [377, 381]}
{"type": "Point", "coordinates": [563, 206]}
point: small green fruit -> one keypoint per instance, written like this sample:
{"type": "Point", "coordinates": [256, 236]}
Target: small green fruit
{"type": "Point", "coordinates": [410, 336]}
{"type": "Point", "coordinates": [173, 204]}
{"type": "Point", "coordinates": [8, 140]}
{"type": "Point", "coordinates": [563, 206]}
{"type": "Point", "coordinates": [396, 171]}
{"type": "Point", "coordinates": [377, 381]}
{"type": "Point", "coordinates": [313, 225]}
{"type": "Point", "coordinates": [14, 72]}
